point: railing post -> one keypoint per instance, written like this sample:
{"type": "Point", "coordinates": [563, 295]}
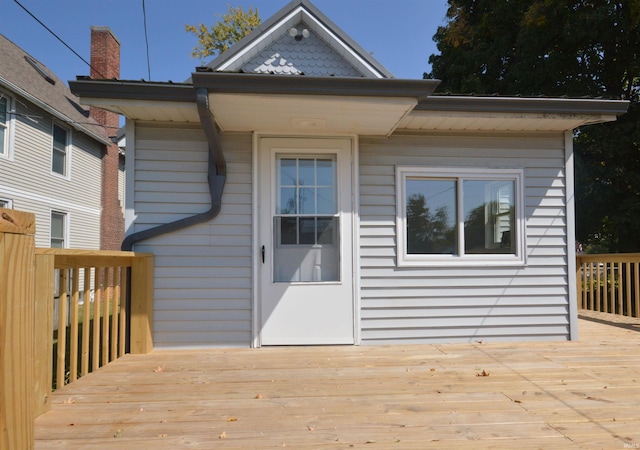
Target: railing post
{"type": "Point", "coordinates": [141, 331]}
{"type": "Point", "coordinates": [17, 315]}
{"type": "Point", "coordinates": [44, 331]}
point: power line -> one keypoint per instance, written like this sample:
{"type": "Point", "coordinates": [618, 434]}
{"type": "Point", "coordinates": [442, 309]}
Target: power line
{"type": "Point", "coordinates": [58, 37]}
{"type": "Point", "coordinates": [146, 38]}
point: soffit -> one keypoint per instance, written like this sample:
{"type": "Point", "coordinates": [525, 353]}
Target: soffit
{"type": "Point", "coordinates": [459, 121]}
{"type": "Point", "coordinates": [309, 113]}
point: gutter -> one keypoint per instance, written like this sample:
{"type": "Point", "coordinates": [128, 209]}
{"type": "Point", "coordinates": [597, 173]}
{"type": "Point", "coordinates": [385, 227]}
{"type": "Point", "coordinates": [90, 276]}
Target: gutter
{"type": "Point", "coordinates": [216, 177]}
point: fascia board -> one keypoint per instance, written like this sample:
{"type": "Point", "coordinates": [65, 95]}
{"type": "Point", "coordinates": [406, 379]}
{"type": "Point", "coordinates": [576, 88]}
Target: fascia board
{"type": "Point", "coordinates": [523, 105]}
{"type": "Point", "coordinates": [170, 92]}
{"type": "Point", "coordinates": [302, 85]}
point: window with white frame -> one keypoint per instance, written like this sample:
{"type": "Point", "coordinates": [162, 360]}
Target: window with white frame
{"type": "Point", "coordinates": [5, 124]}
{"type": "Point", "coordinates": [459, 216]}
{"type": "Point", "coordinates": [60, 150]}
{"type": "Point", "coordinates": [6, 203]}
{"type": "Point", "coordinates": [58, 229]}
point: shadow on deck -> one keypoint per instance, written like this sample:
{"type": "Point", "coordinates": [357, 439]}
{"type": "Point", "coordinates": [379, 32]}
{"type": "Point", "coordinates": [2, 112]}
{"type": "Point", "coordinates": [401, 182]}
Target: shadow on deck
{"type": "Point", "coordinates": [583, 394]}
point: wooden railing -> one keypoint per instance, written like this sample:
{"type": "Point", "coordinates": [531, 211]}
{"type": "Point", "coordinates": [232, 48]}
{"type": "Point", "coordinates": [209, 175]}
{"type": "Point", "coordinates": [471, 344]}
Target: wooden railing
{"type": "Point", "coordinates": [609, 283]}
{"type": "Point", "coordinates": [85, 291]}
{"type": "Point", "coordinates": [83, 317]}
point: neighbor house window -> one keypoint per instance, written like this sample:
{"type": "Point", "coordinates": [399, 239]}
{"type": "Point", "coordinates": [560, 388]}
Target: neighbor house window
{"type": "Point", "coordinates": [459, 216]}
{"type": "Point", "coordinates": [6, 203]}
{"type": "Point", "coordinates": [5, 124]}
{"type": "Point", "coordinates": [58, 229]}
{"type": "Point", "coordinates": [60, 151]}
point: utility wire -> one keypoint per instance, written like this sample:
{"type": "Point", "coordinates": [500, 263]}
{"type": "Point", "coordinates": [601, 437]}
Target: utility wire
{"type": "Point", "coordinates": [58, 37]}
{"type": "Point", "coordinates": [146, 38]}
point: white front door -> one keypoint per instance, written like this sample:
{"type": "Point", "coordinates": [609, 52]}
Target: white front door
{"type": "Point", "coordinates": [305, 241]}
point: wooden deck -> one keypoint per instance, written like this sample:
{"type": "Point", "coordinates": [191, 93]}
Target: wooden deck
{"type": "Point", "coordinates": [583, 394]}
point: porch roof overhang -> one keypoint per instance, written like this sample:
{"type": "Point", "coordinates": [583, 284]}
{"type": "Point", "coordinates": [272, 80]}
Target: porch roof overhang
{"type": "Point", "coordinates": [251, 102]}
{"type": "Point", "coordinates": [365, 106]}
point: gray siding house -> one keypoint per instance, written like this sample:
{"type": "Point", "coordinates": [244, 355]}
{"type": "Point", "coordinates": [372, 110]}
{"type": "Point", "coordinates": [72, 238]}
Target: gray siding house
{"type": "Point", "coordinates": [52, 154]}
{"type": "Point", "coordinates": [295, 193]}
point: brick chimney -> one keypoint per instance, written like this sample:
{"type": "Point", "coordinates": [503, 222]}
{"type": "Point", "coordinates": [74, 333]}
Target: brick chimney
{"type": "Point", "coordinates": [105, 64]}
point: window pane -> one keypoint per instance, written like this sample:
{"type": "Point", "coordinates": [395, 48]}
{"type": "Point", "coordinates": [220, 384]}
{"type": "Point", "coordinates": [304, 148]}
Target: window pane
{"type": "Point", "coordinates": [287, 227]}
{"type": "Point", "coordinates": [59, 137]}
{"type": "Point", "coordinates": [288, 175]}
{"type": "Point", "coordinates": [326, 201]}
{"type": "Point", "coordinates": [325, 173]}
{"type": "Point", "coordinates": [306, 172]}
{"type": "Point", "coordinates": [327, 227]}
{"type": "Point", "coordinates": [2, 139]}
{"type": "Point", "coordinates": [307, 231]}
{"type": "Point", "coordinates": [489, 216]}
{"type": "Point", "coordinates": [287, 201]}
{"type": "Point", "coordinates": [58, 159]}
{"type": "Point", "coordinates": [307, 201]}
{"type": "Point", "coordinates": [431, 216]}
{"type": "Point", "coordinates": [3, 111]}
{"type": "Point", "coordinates": [57, 230]}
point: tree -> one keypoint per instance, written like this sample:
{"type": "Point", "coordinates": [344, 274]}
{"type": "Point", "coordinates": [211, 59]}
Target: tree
{"type": "Point", "coordinates": [561, 47]}
{"type": "Point", "coordinates": [233, 26]}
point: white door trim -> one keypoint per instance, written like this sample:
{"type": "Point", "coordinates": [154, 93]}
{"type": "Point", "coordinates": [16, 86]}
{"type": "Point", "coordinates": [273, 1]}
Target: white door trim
{"type": "Point", "coordinates": [355, 235]}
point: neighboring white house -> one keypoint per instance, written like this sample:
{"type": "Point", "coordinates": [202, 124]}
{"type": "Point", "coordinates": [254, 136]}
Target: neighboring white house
{"type": "Point", "coordinates": [52, 155]}
{"type": "Point", "coordinates": [294, 192]}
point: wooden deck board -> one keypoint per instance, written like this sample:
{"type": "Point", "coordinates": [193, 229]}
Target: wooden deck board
{"type": "Point", "coordinates": [583, 394]}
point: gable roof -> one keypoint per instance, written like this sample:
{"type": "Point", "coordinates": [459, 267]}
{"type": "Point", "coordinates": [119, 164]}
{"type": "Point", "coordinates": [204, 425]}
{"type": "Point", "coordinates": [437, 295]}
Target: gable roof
{"type": "Point", "coordinates": [23, 75]}
{"type": "Point", "coordinates": [325, 33]}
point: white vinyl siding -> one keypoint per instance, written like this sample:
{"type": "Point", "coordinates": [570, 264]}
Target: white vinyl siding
{"type": "Point", "coordinates": [465, 304]}
{"type": "Point", "coordinates": [202, 273]}
{"type": "Point", "coordinates": [27, 179]}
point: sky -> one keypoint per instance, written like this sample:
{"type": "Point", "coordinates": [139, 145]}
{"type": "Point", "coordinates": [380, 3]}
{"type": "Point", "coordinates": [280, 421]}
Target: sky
{"type": "Point", "coordinates": [399, 33]}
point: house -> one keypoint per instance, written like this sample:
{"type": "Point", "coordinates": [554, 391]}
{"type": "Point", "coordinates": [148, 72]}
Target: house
{"type": "Point", "coordinates": [294, 192]}
{"type": "Point", "coordinates": [56, 159]}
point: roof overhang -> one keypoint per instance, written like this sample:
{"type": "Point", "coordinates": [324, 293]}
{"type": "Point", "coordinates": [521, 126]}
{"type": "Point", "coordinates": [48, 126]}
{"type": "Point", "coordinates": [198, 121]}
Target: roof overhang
{"type": "Point", "coordinates": [250, 102]}
{"type": "Point", "coordinates": [466, 113]}
{"type": "Point", "coordinates": [366, 106]}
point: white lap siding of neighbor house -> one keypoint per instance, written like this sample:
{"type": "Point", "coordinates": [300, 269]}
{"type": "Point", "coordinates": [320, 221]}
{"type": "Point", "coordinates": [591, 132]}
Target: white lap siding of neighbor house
{"type": "Point", "coordinates": [202, 273]}
{"type": "Point", "coordinates": [28, 181]}
{"type": "Point", "coordinates": [471, 303]}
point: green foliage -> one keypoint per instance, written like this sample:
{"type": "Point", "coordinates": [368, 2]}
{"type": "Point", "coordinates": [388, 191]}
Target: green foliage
{"type": "Point", "coordinates": [233, 26]}
{"type": "Point", "coordinates": [561, 48]}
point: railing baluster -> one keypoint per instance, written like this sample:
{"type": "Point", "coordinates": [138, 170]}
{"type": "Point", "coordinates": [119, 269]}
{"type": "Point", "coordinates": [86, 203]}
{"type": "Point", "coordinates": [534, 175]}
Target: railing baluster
{"type": "Point", "coordinates": [598, 287]}
{"type": "Point", "coordinates": [605, 290]}
{"type": "Point", "coordinates": [627, 267]}
{"type": "Point", "coordinates": [114, 313]}
{"type": "Point", "coordinates": [620, 300]}
{"type": "Point", "coordinates": [636, 290]}
{"type": "Point", "coordinates": [62, 329]}
{"type": "Point", "coordinates": [86, 321]}
{"type": "Point", "coordinates": [105, 316]}
{"type": "Point", "coordinates": [123, 311]}
{"type": "Point", "coordinates": [73, 325]}
{"type": "Point", "coordinates": [97, 304]}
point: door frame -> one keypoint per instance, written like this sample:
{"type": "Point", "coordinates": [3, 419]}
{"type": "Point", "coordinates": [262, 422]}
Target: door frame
{"type": "Point", "coordinates": [255, 224]}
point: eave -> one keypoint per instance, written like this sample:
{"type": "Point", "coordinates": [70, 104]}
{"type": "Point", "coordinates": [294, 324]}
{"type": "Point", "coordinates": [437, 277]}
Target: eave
{"type": "Point", "coordinates": [367, 106]}
{"type": "Point", "coordinates": [504, 114]}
